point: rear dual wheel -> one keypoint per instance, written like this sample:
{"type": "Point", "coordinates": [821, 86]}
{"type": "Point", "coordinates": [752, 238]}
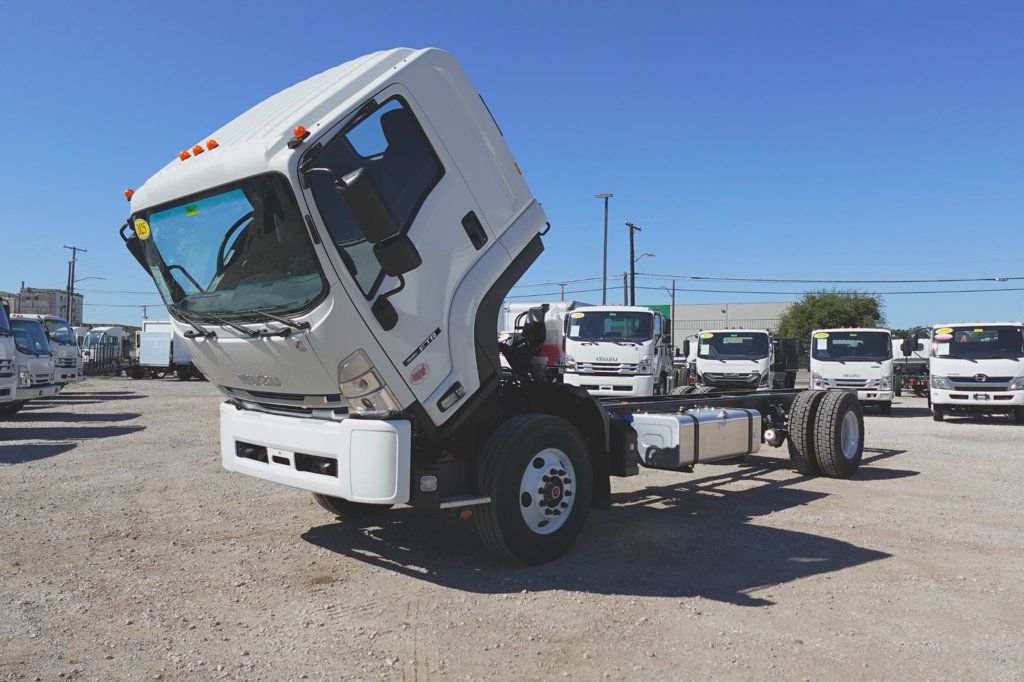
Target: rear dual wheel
{"type": "Point", "coordinates": [826, 433]}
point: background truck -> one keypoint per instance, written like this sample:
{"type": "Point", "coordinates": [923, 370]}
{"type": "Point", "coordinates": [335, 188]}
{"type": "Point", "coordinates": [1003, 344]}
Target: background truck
{"type": "Point", "coordinates": [514, 316]}
{"type": "Point", "coordinates": [359, 232]}
{"type": "Point", "coordinates": [977, 368]}
{"type": "Point", "coordinates": [67, 356]}
{"type": "Point", "coordinates": [618, 351]}
{"type": "Point", "coordinates": [33, 364]}
{"type": "Point", "coordinates": [109, 347]}
{"type": "Point", "coordinates": [8, 358]}
{"type": "Point", "coordinates": [854, 359]}
{"type": "Point", "coordinates": [910, 364]}
{"type": "Point", "coordinates": [161, 350]}
{"type": "Point", "coordinates": [743, 359]}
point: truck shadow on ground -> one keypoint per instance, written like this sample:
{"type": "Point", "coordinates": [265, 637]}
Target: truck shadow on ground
{"type": "Point", "coordinates": [72, 417]}
{"type": "Point", "coordinates": [61, 433]}
{"type": "Point", "coordinates": [30, 452]}
{"type": "Point", "coordinates": [693, 538]}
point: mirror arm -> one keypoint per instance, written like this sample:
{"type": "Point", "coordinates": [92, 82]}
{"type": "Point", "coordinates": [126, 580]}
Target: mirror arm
{"type": "Point", "coordinates": [337, 178]}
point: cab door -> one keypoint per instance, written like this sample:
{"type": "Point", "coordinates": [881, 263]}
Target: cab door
{"type": "Point", "coordinates": [391, 138]}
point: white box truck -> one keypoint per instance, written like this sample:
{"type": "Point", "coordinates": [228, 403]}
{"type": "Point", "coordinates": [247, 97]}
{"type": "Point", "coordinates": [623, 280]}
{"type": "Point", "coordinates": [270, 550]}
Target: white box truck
{"type": "Point", "coordinates": [336, 259]}
{"type": "Point", "coordinates": [8, 358]}
{"type": "Point", "coordinates": [977, 368]}
{"type": "Point", "coordinates": [69, 366]}
{"type": "Point", "coordinates": [33, 364]}
{"type": "Point", "coordinates": [161, 351]}
{"type": "Point", "coordinates": [855, 359]}
{"type": "Point", "coordinates": [618, 351]}
{"type": "Point", "coordinates": [743, 359]}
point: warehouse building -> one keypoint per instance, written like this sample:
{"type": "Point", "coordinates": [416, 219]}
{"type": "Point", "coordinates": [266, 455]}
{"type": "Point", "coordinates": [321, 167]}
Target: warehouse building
{"type": "Point", "coordinates": [34, 301]}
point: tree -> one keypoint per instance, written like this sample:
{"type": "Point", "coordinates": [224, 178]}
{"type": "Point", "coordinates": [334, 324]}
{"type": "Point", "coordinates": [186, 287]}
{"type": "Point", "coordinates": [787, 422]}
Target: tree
{"type": "Point", "coordinates": [831, 308]}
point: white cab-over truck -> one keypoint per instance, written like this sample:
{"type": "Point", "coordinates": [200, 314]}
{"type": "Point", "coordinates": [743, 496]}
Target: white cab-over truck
{"type": "Point", "coordinates": [8, 360]}
{"type": "Point", "coordinates": [617, 351]}
{"type": "Point", "coordinates": [68, 365]}
{"type": "Point", "coordinates": [743, 359]}
{"type": "Point", "coordinates": [977, 368]}
{"type": "Point", "coordinates": [336, 258]}
{"type": "Point", "coordinates": [854, 359]}
{"type": "Point", "coordinates": [162, 350]}
{"type": "Point", "coordinates": [33, 364]}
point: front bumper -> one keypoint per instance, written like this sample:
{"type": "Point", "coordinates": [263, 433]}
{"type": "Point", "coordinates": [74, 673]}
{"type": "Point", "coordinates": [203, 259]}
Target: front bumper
{"type": "Point", "coordinates": [373, 458]}
{"type": "Point", "coordinates": [870, 395]}
{"type": "Point", "coordinates": [36, 392]}
{"type": "Point", "coordinates": [63, 375]}
{"type": "Point", "coordinates": [977, 400]}
{"type": "Point", "coordinates": [626, 386]}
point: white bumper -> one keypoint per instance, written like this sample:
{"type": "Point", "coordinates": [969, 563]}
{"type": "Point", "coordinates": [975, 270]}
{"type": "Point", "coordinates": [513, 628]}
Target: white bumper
{"type": "Point", "coordinates": [36, 392]}
{"type": "Point", "coordinates": [982, 400]}
{"type": "Point", "coordinates": [374, 457]}
{"type": "Point", "coordinates": [626, 386]}
{"type": "Point", "coordinates": [68, 375]}
{"type": "Point", "coordinates": [7, 389]}
{"type": "Point", "coordinates": [870, 395]}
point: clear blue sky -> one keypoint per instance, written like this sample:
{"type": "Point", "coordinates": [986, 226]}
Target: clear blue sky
{"type": "Point", "coordinates": [775, 139]}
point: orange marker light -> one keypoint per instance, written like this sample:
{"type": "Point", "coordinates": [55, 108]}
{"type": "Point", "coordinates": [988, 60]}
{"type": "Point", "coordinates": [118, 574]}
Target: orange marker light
{"type": "Point", "coordinates": [183, 154]}
{"type": "Point", "coordinates": [211, 144]}
{"type": "Point", "coordinates": [198, 149]}
{"type": "Point", "coordinates": [300, 132]}
{"type": "Point", "coordinates": [128, 194]}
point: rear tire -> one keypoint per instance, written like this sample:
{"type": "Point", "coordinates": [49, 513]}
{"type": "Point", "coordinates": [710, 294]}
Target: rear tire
{"type": "Point", "coordinates": [938, 413]}
{"type": "Point", "coordinates": [682, 390]}
{"type": "Point", "coordinates": [184, 373]}
{"type": "Point", "coordinates": [885, 408]}
{"type": "Point", "coordinates": [839, 434]}
{"type": "Point", "coordinates": [345, 509]}
{"type": "Point", "coordinates": [11, 408]}
{"type": "Point", "coordinates": [704, 389]}
{"type": "Point", "coordinates": [537, 472]}
{"type": "Point", "coordinates": [898, 388]}
{"type": "Point", "coordinates": [802, 414]}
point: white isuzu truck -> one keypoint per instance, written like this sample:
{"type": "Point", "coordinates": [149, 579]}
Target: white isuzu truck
{"type": "Point", "coordinates": [854, 359]}
{"type": "Point", "coordinates": [618, 351]}
{"type": "Point", "coordinates": [336, 258]}
{"type": "Point", "coordinates": [977, 368]}
{"type": "Point", "coordinates": [33, 363]}
{"type": "Point", "coordinates": [68, 364]}
{"type": "Point", "coordinates": [8, 358]}
{"type": "Point", "coordinates": [744, 359]}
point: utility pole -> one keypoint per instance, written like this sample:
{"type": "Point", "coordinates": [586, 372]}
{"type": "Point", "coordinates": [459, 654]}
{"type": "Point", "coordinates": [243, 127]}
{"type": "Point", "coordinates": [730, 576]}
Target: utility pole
{"type": "Point", "coordinates": [632, 262]}
{"type": "Point", "coordinates": [562, 286]}
{"type": "Point", "coordinates": [604, 262]}
{"type": "Point", "coordinates": [71, 279]}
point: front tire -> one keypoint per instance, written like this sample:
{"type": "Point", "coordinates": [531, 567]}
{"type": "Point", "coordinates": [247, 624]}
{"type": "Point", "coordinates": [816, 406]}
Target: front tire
{"type": "Point", "coordinates": [938, 412]}
{"type": "Point", "coordinates": [1018, 415]}
{"type": "Point", "coordinates": [538, 474]}
{"type": "Point", "coordinates": [885, 408]}
{"type": "Point", "coordinates": [345, 509]}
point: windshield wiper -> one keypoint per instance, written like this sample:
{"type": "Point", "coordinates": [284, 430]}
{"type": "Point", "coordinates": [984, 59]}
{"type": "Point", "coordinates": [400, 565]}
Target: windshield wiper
{"type": "Point", "coordinates": [199, 330]}
{"type": "Point", "coordinates": [283, 320]}
{"type": "Point", "coordinates": [226, 323]}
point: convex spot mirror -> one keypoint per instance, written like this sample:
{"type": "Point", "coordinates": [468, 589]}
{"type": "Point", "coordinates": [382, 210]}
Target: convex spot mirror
{"type": "Point", "coordinates": [397, 255]}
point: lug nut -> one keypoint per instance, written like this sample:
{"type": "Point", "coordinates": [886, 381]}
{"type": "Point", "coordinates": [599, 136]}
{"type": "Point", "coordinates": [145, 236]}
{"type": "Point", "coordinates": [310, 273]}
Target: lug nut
{"type": "Point", "coordinates": [553, 472]}
{"type": "Point", "coordinates": [566, 481]}
{"type": "Point", "coordinates": [564, 505]}
{"type": "Point", "coordinates": [561, 472]}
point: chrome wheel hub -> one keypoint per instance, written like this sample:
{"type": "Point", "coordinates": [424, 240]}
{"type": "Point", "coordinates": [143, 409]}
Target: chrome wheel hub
{"type": "Point", "coordinates": [546, 491]}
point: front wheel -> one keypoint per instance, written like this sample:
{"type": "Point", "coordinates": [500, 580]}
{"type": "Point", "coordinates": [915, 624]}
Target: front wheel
{"type": "Point", "coordinates": [898, 388]}
{"type": "Point", "coordinates": [536, 470]}
{"type": "Point", "coordinates": [885, 408]}
{"type": "Point", "coordinates": [1018, 415]}
{"type": "Point", "coordinates": [345, 509]}
{"type": "Point", "coordinates": [938, 413]}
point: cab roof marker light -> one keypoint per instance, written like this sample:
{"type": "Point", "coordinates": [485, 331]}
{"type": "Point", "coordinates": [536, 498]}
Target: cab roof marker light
{"type": "Point", "coordinates": [212, 144]}
{"type": "Point", "coordinates": [129, 193]}
{"type": "Point", "coordinates": [197, 150]}
{"type": "Point", "coordinates": [183, 154]}
{"type": "Point", "coordinates": [299, 133]}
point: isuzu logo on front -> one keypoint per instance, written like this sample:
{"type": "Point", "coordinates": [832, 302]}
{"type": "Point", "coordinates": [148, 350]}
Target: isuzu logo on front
{"type": "Point", "coordinates": [259, 380]}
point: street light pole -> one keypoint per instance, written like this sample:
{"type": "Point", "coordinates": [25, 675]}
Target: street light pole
{"type": "Point", "coordinates": [604, 262]}
{"type": "Point", "coordinates": [71, 278]}
{"type": "Point", "coordinates": [632, 262]}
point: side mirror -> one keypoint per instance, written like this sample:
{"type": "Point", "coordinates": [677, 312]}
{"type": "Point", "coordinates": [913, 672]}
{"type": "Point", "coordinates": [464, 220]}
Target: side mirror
{"type": "Point", "coordinates": [910, 345]}
{"type": "Point", "coordinates": [133, 244]}
{"type": "Point", "coordinates": [686, 347]}
{"type": "Point", "coordinates": [679, 352]}
{"type": "Point", "coordinates": [371, 213]}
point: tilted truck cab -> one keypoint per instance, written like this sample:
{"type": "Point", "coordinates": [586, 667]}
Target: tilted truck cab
{"type": "Point", "coordinates": [977, 368]}
{"type": "Point", "coordinates": [855, 359]}
{"type": "Point", "coordinates": [336, 258]}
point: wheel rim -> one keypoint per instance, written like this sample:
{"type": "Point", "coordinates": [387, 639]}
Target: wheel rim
{"type": "Point", "coordinates": [849, 435]}
{"type": "Point", "coordinates": [546, 493]}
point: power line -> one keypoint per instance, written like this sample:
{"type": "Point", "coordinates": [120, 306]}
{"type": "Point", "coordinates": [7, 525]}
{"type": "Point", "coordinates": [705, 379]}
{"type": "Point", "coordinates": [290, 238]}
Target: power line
{"type": "Point", "coordinates": [116, 291]}
{"type": "Point", "coordinates": [764, 280]}
{"type": "Point", "coordinates": [553, 294]}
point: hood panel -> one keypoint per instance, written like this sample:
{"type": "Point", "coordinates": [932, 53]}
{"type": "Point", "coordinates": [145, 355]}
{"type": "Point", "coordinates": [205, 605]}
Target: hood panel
{"type": "Point", "coordinates": [965, 368]}
{"type": "Point", "coordinates": [605, 352]}
{"type": "Point", "coordinates": [852, 370]}
{"type": "Point", "coordinates": [732, 366]}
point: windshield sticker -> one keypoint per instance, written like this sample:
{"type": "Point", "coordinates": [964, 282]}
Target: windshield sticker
{"type": "Point", "coordinates": [942, 349]}
{"type": "Point", "coordinates": [944, 330]}
{"type": "Point", "coordinates": [191, 210]}
{"type": "Point", "coordinates": [821, 335]}
{"type": "Point", "coordinates": [706, 335]}
{"type": "Point", "coordinates": [141, 228]}
{"type": "Point", "coordinates": [705, 349]}
{"type": "Point", "coordinates": [822, 344]}
{"type": "Point", "coordinates": [943, 337]}
{"type": "Point", "coordinates": [574, 330]}
{"type": "Point", "coordinates": [576, 316]}
{"type": "Point", "coordinates": [978, 330]}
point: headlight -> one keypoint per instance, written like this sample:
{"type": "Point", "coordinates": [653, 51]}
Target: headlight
{"type": "Point", "coordinates": [24, 377]}
{"type": "Point", "coordinates": [817, 381]}
{"type": "Point", "coordinates": [570, 363]}
{"type": "Point", "coordinates": [1017, 384]}
{"type": "Point", "coordinates": [644, 367]}
{"type": "Point", "coordinates": [886, 383]}
{"type": "Point", "coordinates": [761, 379]}
{"type": "Point", "coordinates": [363, 389]}
{"type": "Point", "coordinates": [941, 383]}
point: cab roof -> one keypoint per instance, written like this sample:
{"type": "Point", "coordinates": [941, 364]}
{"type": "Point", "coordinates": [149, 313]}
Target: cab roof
{"type": "Point", "coordinates": [977, 324]}
{"type": "Point", "coordinates": [853, 329]}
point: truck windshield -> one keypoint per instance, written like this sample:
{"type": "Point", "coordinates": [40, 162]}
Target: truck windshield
{"type": "Point", "coordinates": [29, 337]}
{"type": "Point", "coordinates": [851, 346]}
{"type": "Point", "coordinates": [978, 343]}
{"type": "Point", "coordinates": [611, 326]}
{"type": "Point", "coordinates": [233, 249]}
{"type": "Point", "coordinates": [60, 332]}
{"type": "Point", "coordinates": [732, 346]}
{"type": "Point", "coordinates": [93, 339]}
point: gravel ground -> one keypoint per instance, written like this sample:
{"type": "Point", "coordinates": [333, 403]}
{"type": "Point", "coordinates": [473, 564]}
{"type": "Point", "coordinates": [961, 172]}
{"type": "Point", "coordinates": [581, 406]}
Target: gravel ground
{"type": "Point", "coordinates": [128, 553]}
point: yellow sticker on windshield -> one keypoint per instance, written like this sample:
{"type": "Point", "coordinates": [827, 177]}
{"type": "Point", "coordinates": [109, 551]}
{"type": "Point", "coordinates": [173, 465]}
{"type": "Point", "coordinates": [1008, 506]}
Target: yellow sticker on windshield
{"type": "Point", "coordinates": [576, 316]}
{"type": "Point", "coordinates": [141, 228]}
{"type": "Point", "coordinates": [191, 210]}
{"type": "Point", "coordinates": [978, 330]}
{"type": "Point", "coordinates": [821, 335]}
{"type": "Point", "coordinates": [706, 335]}
{"type": "Point", "coordinates": [944, 330]}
